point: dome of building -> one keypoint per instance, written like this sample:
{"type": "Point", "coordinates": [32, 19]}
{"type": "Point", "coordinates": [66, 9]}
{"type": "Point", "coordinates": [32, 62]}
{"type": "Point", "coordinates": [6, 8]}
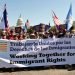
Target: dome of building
{"type": "Point", "coordinates": [20, 21]}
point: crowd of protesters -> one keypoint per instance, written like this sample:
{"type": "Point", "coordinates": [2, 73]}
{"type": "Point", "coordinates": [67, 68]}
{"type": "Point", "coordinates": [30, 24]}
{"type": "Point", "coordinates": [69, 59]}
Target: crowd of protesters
{"type": "Point", "coordinates": [12, 35]}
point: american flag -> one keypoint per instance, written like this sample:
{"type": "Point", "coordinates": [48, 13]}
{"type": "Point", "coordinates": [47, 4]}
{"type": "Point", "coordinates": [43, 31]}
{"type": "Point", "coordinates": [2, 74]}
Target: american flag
{"type": "Point", "coordinates": [56, 19]}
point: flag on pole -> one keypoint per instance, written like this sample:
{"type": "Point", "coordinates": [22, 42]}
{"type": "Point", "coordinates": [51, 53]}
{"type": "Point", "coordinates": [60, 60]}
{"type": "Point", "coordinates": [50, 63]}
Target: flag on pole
{"type": "Point", "coordinates": [4, 20]}
{"type": "Point", "coordinates": [5, 16]}
{"type": "Point", "coordinates": [69, 19]}
{"type": "Point", "coordinates": [56, 20]}
{"type": "Point", "coordinates": [27, 24]}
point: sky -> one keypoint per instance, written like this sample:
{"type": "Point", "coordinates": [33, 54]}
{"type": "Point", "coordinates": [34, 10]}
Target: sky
{"type": "Point", "coordinates": [36, 11]}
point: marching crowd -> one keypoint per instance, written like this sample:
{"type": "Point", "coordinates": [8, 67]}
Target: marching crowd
{"type": "Point", "coordinates": [12, 35]}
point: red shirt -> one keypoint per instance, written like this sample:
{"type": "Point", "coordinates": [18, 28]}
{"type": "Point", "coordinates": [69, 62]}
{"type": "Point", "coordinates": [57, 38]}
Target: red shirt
{"type": "Point", "coordinates": [11, 37]}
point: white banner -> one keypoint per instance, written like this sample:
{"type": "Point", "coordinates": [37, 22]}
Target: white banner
{"type": "Point", "coordinates": [37, 52]}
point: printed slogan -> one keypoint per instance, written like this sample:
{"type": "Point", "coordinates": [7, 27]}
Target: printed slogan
{"type": "Point", "coordinates": [40, 52]}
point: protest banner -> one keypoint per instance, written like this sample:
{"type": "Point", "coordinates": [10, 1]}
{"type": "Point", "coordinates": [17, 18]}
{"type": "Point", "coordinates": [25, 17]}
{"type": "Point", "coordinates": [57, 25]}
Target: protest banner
{"type": "Point", "coordinates": [37, 52]}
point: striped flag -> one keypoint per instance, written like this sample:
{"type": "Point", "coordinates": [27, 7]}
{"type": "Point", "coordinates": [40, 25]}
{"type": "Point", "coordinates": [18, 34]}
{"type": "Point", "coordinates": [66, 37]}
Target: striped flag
{"type": "Point", "coordinates": [56, 20]}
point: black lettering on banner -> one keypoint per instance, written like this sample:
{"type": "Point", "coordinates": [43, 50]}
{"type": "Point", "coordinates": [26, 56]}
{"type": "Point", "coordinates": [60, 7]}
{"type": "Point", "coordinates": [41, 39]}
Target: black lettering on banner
{"type": "Point", "coordinates": [34, 56]}
{"type": "Point", "coordinates": [47, 55]}
{"type": "Point", "coordinates": [56, 60]}
{"type": "Point", "coordinates": [28, 62]}
{"type": "Point", "coordinates": [70, 54]}
{"type": "Point", "coordinates": [59, 42]}
{"type": "Point", "coordinates": [67, 42]}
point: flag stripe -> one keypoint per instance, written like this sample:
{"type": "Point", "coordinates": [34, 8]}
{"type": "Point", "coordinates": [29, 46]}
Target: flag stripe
{"type": "Point", "coordinates": [56, 20]}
